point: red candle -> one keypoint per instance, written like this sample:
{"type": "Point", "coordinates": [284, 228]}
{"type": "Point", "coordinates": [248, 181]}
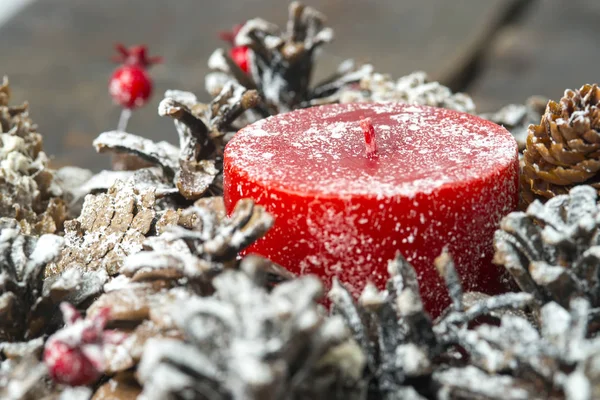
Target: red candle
{"type": "Point", "coordinates": [344, 205]}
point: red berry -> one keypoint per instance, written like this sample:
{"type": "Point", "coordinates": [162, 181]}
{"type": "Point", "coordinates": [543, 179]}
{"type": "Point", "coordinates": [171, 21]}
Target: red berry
{"type": "Point", "coordinates": [239, 55]}
{"type": "Point", "coordinates": [69, 365]}
{"type": "Point", "coordinates": [74, 355]}
{"type": "Point", "coordinates": [130, 86]}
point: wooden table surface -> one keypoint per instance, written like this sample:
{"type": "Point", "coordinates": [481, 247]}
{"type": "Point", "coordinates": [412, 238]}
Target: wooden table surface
{"type": "Point", "coordinates": [553, 47]}
{"type": "Point", "coordinates": [56, 52]}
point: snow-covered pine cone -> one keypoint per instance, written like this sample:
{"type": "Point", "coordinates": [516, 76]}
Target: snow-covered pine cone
{"type": "Point", "coordinates": [552, 357]}
{"type": "Point", "coordinates": [28, 192]}
{"type": "Point", "coordinates": [111, 226]}
{"type": "Point", "coordinates": [403, 347]}
{"type": "Point", "coordinates": [548, 353]}
{"type": "Point", "coordinates": [194, 169]}
{"type": "Point", "coordinates": [414, 88]}
{"type": "Point", "coordinates": [553, 250]}
{"type": "Point", "coordinates": [179, 263]}
{"type": "Point", "coordinates": [280, 63]}
{"type": "Point", "coordinates": [244, 342]}
{"type": "Point", "coordinates": [28, 303]}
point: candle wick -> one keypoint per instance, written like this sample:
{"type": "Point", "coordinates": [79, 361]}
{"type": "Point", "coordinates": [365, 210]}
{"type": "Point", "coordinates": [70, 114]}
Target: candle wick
{"type": "Point", "coordinates": [370, 142]}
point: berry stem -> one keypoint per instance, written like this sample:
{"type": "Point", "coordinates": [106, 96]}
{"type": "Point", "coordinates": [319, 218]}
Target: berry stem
{"type": "Point", "coordinates": [124, 119]}
{"type": "Point", "coordinates": [370, 142]}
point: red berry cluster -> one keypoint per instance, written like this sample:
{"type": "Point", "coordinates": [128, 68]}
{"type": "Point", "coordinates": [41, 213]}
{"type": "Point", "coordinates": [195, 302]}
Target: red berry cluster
{"type": "Point", "coordinates": [130, 85]}
{"type": "Point", "coordinates": [74, 354]}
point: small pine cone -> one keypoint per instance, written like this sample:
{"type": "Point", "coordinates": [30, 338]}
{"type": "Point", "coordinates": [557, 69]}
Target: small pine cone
{"type": "Point", "coordinates": [203, 131]}
{"type": "Point", "coordinates": [213, 237]}
{"type": "Point", "coordinates": [204, 242]}
{"type": "Point", "coordinates": [564, 149]}
{"type": "Point", "coordinates": [552, 250]}
{"type": "Point", "coordinates": [27, 191]}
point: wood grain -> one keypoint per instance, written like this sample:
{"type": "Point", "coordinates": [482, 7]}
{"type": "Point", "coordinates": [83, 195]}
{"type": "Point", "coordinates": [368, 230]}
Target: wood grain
{"type": "Point", "coordinates": [555, 46]}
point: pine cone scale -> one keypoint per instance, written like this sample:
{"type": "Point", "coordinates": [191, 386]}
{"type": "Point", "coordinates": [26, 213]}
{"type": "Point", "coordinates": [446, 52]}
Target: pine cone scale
{"type": "Point", "coordinates": [561, 176]}
{"type": "Point", "coordinates": [579, 145]}
{"type": "Point", "coordinates": [559, 155]}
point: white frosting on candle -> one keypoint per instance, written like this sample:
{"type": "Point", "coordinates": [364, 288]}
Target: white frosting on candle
{"type": "Point", "coordinates": [322, 150]}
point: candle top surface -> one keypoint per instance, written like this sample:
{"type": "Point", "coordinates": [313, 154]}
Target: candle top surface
{"type": "Point", "coordinates": [321, 150]}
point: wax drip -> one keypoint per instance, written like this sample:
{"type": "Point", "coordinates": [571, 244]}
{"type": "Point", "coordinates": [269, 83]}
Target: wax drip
{"type": "Point", "coordinates": [370, 143]}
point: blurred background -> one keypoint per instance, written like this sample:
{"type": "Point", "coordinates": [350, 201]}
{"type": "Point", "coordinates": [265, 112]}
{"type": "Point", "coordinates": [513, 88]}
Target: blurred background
{"type": "Point", "coordinates": [56, 53]}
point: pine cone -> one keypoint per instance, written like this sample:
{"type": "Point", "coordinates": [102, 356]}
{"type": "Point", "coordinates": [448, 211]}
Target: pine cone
{"type": "Point", "coordinates": [27, 192]}
{"type": "Point", "coordinates": [517, 360]}
{"type": "Point", "coordinates": [402, 345]}
{"type": "Point", "coordinates": [195, 168]}
{"type": "Point", "coordinates": [111, 226]}
{"type": "Point", "coordinates": [552, 250]}
{"type": "Point", "coordinates": [203, 244]}
{"type": "Point", "coordinates": [242, 332]}
{"type": "Point", "coordinates": [281, 63]}
{"type": "Point", "coordinates": [210, 236]}
{"type": "Point", "coordinates": [175, 265]}
{"type": "Point", "coordinates": [415, 88]}
{"type": "Point", "coordinates": [244, 342]}
{"type": "Point", "coordinates": [520, 355]}
{"type": "Point", "coordinates": [564, 149]}
{"type": "Point", "coordinates": [28, 304]}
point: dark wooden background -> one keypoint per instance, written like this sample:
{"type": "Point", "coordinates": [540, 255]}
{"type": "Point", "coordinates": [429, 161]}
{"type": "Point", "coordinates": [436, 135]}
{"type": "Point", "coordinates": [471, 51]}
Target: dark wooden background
{"type": "Point", "coordinates": [56, 52]}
